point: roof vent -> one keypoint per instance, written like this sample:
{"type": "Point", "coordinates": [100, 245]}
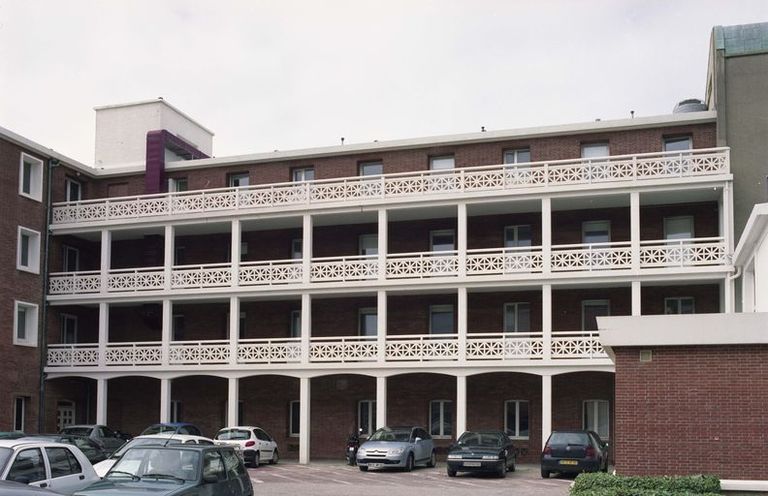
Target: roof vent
{"type": "Point", "coordinates": [689, 105]}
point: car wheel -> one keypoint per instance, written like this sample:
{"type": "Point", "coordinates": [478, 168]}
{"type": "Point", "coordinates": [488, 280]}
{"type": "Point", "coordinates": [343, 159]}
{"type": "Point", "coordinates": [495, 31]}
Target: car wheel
{"type": "Point", "coordinates": [544, 474]}
{"type": "Point", "coordinates": [512, 467]}
{"type": "Point", "coordinates": [502, 472]}
{"type": "Point", "coordinates": [432, 460]}
{"type": "Point", "coordinates": [451, 473]}
{"type": "Point", "coordinates": [256, 460]}
{"type": "Point", "coordinates": [275, 458]}
{"type": "Point", "coordinates": [362, 469]}
{"type": "Point", "coordinates": [409, 462]}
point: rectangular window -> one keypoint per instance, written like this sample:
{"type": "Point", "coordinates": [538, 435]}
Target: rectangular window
{"type": "Point", "coordinates": [28, 250]}
{"type": "Point", "coordinates": [441, 418]}
{"type": "Point", "coordinates": [679, 305]}
{"type": "Point", "coordinates": [368, 244]}
{"type": "Point", "coordinates": [238, 180]}
{"type": "Point", "coordinates": [73, 189]}
{"type": "Point", "coordinates": [303, 174]}
{"type": "Point", "coordinates": [441, 319]}
{"type": "Point", "coordinates": [516, 423]}
{"type": "Point", "coordinates": [596, 231]}
{"type": "Point", "coordinates": [31, 177]}
{"type": "Point", "coordinates": [678, 227]}
{"type": "Point", "coordinates": [443, 240]}
{"type": "Point", "coordinates": [679, 143]}
{"type": "Point", "coordinates": [445, 162]}
{"type": "Point", "coordinates": [178, 325]}
{"type": "Point", "coordinates": [590, 310]}
{"type": "Point", "coordinates": [371, 168]}
{"type": "Point", "coordinates": [176, 411]}
{"type": "Point", "coordinates": [594, 150]}
{"type": "Point", "coordinates": [19, 411]}
{"type": "Point", "coordinates": [68, 329]}
{"type": "Point", "coordinates": [25, 324]}
{"type": "Point", "coordinates": [71, 259]}
{"type": "Point", "coordinates": [368, 322]}
{"type": "Point", "coordinates": [295, 323]}
{"type": "Point", "coordinates": [179, 184]}
{"type": "Point", "coordinates": [517, 317]}
{"type": "Point", "coordinates": [516, 236]}
{"type": "Point", "coordinates": [596, 417]}
{"type": "Point", "coordinates": [293, 421]}
{"type": "Point", "coordinates": [520, 156]}
{"type": "Point", "coordinates": [296, 249]}
{"type": "Point", "coordinates": [366, 417]}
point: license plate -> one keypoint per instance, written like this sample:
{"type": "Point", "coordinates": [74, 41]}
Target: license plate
{"type": "Point", "coordinates": [569, 462]}
{"type": "Point", "coordinates": [472, 464]}
{"type": "Point", "coordinates": [375, 465]}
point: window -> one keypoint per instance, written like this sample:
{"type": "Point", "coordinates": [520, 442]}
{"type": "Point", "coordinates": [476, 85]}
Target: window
{"type": "Point", "coordinates": [596, 231]}
{"type": "Point", "coordinates": [25, 324]}
{"type": "Point", "coordinates": [366, 417]}
{"type": "Point", "coordinates": [62, 462]}
{"type": "Point", "coordinates": [678, 227]}
{"type": "Point", "coordinates": [65, 414]}
{"type": "Point", "coordinates": [679, 143]}
{"type": "Point", "coordinates": [445, 162]}
{"type": "Point", "coordinates": [28, 467]}
{"type": "Point", "coordinates": [237, 180]}
{"type": "Point", "coordinates": [68, 329]}
{"type": "Point", "coordinates": [520, 156]}
{"type": "Point", "coordinates": [371, 168]}
{"type": "Point", "coordinates": [441, 319]}
{"type": "Point", "coordinates": [303, 174]}
{"type": "Point", "coordinates": [175, 411]}
{"type": "Point", "coordinates": [295, 323]}
{"type": "Point", "coordinates": [31, 177]}
{"type": "Point", "coordinates": [294, 413]}
{"type": "Point", "coordinates": [241, 325]}
{"type": "Point", "coordinates": [679, 305]}
{"type": "Point", "coordinates": [296, 249]}
{"type": "Point", "coordinates": [28, 250]}
{"type": "Point", "coordinates": [444, 240]}
{"type": "Point", "coordinates": [517, 317]}
{"type": "Point", "coordinates": [71, 259]}
{"type": "Point", "coordinates": [368, 322]}
{"type": "Point", "coordinates": [516, 419]}
{"type": "Point", "coordinates": [440, 418]}
{"type": "Point", "coordinates": [368, 244]}
{"type": "Point", "coordinates": [590, 310]}
{"type": "Point", "coordinates": [179, 184]}
{"type": "Point", "coordinates": [596, 417]}
{"type": "Point", "coordinates": [213, 466]}
{"type": "Point", "coordinates": [74, 190]}
{"type": "Point", "coordinates": [516, 236]}
{"type": "Point", "coordinates": [19, 412]}
{"type": "Point", "coordinates": [177, 327]}
{"type": "Point", "coordinates": [593, 150]}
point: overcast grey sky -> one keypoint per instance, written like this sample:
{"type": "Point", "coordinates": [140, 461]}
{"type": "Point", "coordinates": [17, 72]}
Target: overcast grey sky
{"type": "Point", "coordinates": [267, 75]}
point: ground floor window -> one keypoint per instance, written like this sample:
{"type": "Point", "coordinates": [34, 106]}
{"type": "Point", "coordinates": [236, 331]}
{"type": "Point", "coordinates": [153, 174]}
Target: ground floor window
{"type": "Point", "coordinates": [294, 413]}
{"type": "Point", "coordinates": [596, 417]}
{"type": "Point", "coordinates": [19, 411]}
{"type": "Point", "coordinates": [440, 418]}
{"type": "Point", "coordinates": [65, 414]}
{"type": "Point", "coordinates": [516, 422]}
{"type": "Point", "coordinates": [366, 417]}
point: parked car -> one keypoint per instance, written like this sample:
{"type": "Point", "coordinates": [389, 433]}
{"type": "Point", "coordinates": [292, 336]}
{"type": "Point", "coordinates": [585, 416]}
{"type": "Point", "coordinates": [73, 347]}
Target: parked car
{"type": "Point", "coordinates": [172, 427]}
{"type": "Point", "coordinates": [574, 452]}
{"type": "Point", "coordinates": [485, 451]}
{"type": "Point", "coordinates": [60, 467]}
{"type": "Point", "coordinates": [253, 442]}
{"type": "Point", "coordinates": [108, 439]}
{"type": "Point", "coordinates": [167, 439]}
{"type": "Point", "coordinates": [175, 470]}
{"type": "Point", "coordinates": [8, 488]}
{"type": "Point", "coordinates": [90, 448]}
{"type": "Point", "coordinates": [397, 447]}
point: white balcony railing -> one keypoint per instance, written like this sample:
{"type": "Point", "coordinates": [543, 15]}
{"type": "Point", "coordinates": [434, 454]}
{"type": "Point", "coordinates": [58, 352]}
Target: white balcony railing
{"type": "Point", "coordinates": [594, 256]}
{"type": "Point", "coordinates": [142, 279]}
{"type": "Point", "coordinates": [683, 252]}
{"type": "Point", "coordinates": [401, 187]}
{"type": "Point", "coordinates": [480, 348]}
{"type": "Point", "coordinates": [356, 268]}
{"type": "Point", "coordinates": [420, 265]}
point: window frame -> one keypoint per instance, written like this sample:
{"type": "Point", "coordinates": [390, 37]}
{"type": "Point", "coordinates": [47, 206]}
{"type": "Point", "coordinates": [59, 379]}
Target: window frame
{"type": "Point", "coordinates": [30, 338]}
{"type": "Point", "coordinates": [173, 184]}
{"type": "Point", "coordinates": [442, 309]}
{"type": "Point", "coordinates": [442, 421]}
{"type": "Point", "coordinates": [369, 163]}
{"type": "Point", "coordinates": [371, 407]}
{"type": "Point", "coordinates": [19, 419]}
{"type": "Point", "coordinates": [677, 139]}
{"type": "Point", "coordinates": [68, 181]}
{"type": "Point", "coordinates": [366, 311]}
{"type": "Point", "coordinates": [65, 250]}
{"type": "Point", "coordinates": [515, 152]}
{"type": "Point", "coordinates": [516, 304]}
{"type": "Point", "coordinates": [298, 174]}
{"type": "Point", "coordinates": [64, 318]}
{"type": "Point", "coordinates": [586, 146]}
{"type": "Point", "coordinates": [679, 302]}
{"type": "Point", "coordinates": [441, 232]}
{"type": "Point", "coordinates": [692, 220]}
{"type": "Point", "coordinates": [35, 177]}
{"type": "Point", "coordinates": [515, 433]}
{"type": "Point", "coordinates": [436, 158]}
{"type": "Point", "coordinates": [593, 302]}
{"type": "Point", "coordinates": [361, 241]}
{"type": "Point", "coordinates": [596, 413]}
{"type": "Point", "coordinates": [295, 321]}
{"type": "Point", "coordinates": [584, 225]}
{"type": "Point", "coordinates": [291, 414]}
{"type": "Point", "coordinates": [515, 228]}
{"type": "Point", "coordinates": [33, 250]}
{"type": "Point", "coordinates": [238, 176]}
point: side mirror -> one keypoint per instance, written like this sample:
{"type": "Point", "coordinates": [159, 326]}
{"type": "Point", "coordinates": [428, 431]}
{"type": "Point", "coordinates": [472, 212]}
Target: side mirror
{"type": "Point", "coordinates": [417, 440]}
{"type": "Point", "coordinates": [210, 478]}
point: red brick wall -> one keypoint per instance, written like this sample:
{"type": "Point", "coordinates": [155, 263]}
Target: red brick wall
{"type": "Point", "coordinates": [569, 391]}
{"type": "Point", "coordinates": [692, 410]}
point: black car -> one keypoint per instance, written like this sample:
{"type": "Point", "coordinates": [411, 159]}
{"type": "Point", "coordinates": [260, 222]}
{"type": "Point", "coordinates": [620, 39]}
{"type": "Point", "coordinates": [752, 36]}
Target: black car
{"type": "Point", "coordinates": [90, 448]}
{"type": "Point", "coordinates": [484, 451]}
{"type": "Point", "coordinates": [574, 452]}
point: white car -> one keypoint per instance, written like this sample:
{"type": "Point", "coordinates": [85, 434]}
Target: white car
{"type": "Point", "coordinates": [63, 468]}
{"type": "Point", "coordinates": [255, 444]}
{"type": "Point", "coordinates": [151, 439]}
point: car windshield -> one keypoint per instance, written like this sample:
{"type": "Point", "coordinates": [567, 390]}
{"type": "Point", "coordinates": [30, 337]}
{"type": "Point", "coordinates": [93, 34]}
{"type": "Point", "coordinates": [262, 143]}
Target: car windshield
{"type": "Point", "coordinates": [391, 435]}
{"type": "Point", "coordinates": [566, 438]}
{"type": "Point", "coordinates": [233, 435]}
{"type": "Point", "coordinates": [5, 454]}
{"type": "Point", "coordinates": [488, 440]}
{"type": "Point", "coordinates": [146, 441]}
{"type": "Point", "coordinates": [156, 463]}
{"type": "Point", "coordinates": [77, 431]}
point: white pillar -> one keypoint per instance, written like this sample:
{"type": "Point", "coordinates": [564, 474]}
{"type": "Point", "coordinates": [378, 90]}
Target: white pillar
{"type": "Point", "coordinates": [103, 332]}
{"type": "Point", "coordinates": [165, 400]}
{"type": "Point", "coordinates": [728, 299]}
{"type": "Point", "coordinates": [546, 235]}
{"type": "Point", "coordinates": [233, 400]}
{"type": "Point", "coordinates": [306, 326]}
{"type": "Point", "coordinates": [748, 289]}
{"type": "Point", "coordinates": [381, 325]}
{"type": "Point", "coordinates": [461, 238]}
{"type": "Point", "coordinates": [166, 333]}
{"type": "Point", "coordinates": [461, 405]}
{"type": "Point", "coordinates": [546, 408]}
{"type": "Point", "coordinates": [101, 401]}
{"type": "Point", "coordinates": [381, 402]}
{"type": "Point", "coordinates": [383, 244]}
{"type": "Point", "coordinates": [637, 298]}
{"type": "Point", "coordinates": [169, 248]}
{"type": "Point", "coordinates": [634, 224]}
{"type": "Point", "coordinates": [234, 328]}
{"type": "Point", "coordinates": [106, 256]}
{"type": "Point", "coordinates": [304, 434]}
{"type": "Point", "coordinates": [235, 254]}
{"type": "Point", "coordinates": [726, 218]}
{"type": "Point", "coordinates": [306, 248]}
{"type": "Point", "coordinates": [546, 320]}
{"type": "Point", "coordinates": [462, 318]}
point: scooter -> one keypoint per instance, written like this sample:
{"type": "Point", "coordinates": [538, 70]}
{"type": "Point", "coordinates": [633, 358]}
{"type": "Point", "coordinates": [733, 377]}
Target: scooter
{"type": "Point", "coordinates": [353, 443]}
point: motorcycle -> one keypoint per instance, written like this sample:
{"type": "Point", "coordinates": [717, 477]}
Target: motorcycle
{"type": "Point", "coordinates": [353, 443]}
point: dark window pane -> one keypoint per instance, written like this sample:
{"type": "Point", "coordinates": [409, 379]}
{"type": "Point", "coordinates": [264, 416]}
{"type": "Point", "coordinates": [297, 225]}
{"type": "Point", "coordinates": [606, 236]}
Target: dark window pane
{"type": "Point", "coordinates": [523, 419]}
{"type": "Point", "coordinates": [25, 250]}
{"type": "Point", "coordinates": [27, 467]}
{"type": "Point", "coordinates": [295, 417]}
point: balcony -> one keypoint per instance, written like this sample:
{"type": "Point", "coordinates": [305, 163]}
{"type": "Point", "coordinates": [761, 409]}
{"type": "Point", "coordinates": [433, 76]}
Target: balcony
{"type": "Point", "coordinates": [521, 263]}
{"type": "Point", "coordinates": [410, 187]}
{"type": "Point", "coordinates": [479, 349]}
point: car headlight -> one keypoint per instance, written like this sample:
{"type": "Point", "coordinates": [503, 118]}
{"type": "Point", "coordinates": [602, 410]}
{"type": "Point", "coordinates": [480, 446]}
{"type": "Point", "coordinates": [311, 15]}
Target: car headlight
{"type": "Point", "coordinates": [490, 457]}
{"type": "Point", "coordinates": [360, 452]}
{"type": "Point", "coordinates": [396, 451]}
{"type": "Point", "coordinates": [454, 457]}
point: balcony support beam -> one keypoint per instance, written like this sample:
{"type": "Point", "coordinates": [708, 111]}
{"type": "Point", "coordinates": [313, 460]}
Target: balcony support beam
{"type": "Point", "coordinates": [103, 333]}
{"type": "Point", "coordinates": [101, 401]}
{"type": "Point", "coordinates": [546, 320]}
{"type": "Point", "coordinates": [235, 252]}
{"type": "Point", "coordinates": [233, 401]}
{"type": "Point", "coordinates": [461, 405]}
{"type": "Point", "coordinates": [381, 402]}
{"type": "Point", "coordinates": [234, 328]}
{"type": "Point", "coordinates": [166, 332]}
{"type": "Point", "coordinates": [637, 298]}
{"type": "Point", "coordinates": [106, 259]}
{"type": "Point", "coordinates": [306, 248]}
{"type": "Point", "coordinates": [462, 319]}
{"type": "Point", "coordinates": [306, 326]}
{"type": "Point", "coordinates": [169, 251]}
{"type": "Point", "coordinates": [546, 235]}
{"type": "Point", "coordinates": [634, 227]}
{"type": "Point", "coordinates": [305, 395]}
{"type": "Point", "coordinates": [165, 400]}
{"type": "Point", "coordinates": [461, 235]}
{"type": "Point", "coordinates": [546, 408]}
{"type": "Point", "coordinates": [381, 326]}
{"type": "Point", "coordinates": [383, 244]}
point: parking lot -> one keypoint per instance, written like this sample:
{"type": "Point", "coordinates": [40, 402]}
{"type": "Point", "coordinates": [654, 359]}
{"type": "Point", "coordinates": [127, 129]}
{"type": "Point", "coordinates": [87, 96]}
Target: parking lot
{"type": "Point", "coordinates": [337, 479]}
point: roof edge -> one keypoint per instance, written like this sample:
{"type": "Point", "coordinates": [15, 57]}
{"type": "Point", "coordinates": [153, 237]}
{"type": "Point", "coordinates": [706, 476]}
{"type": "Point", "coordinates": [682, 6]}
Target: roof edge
{"type": "Point", "coordinates": [155, 100]}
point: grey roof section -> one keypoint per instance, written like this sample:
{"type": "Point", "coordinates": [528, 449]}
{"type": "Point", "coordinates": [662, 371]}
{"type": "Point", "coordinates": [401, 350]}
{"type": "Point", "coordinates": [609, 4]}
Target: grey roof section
{"type": "Point", "coordinates": [742, 39]}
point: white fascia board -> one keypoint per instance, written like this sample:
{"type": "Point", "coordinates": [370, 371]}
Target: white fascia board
{"type": "Point", "coordinates": [754, 231]}
{"type": "Point", "coordinates": [45, 152]}
{"type": "Point", "coordinates": [156, 100]}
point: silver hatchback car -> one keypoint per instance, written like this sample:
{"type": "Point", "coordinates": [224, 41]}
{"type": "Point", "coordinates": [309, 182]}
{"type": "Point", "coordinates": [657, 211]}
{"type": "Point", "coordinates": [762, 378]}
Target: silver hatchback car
{"type": "Point", "coordinates": [397, 447]}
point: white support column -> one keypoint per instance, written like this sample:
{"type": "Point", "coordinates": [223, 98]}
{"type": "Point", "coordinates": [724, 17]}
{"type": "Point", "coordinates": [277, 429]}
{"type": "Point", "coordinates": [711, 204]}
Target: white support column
{"type": "Point", "coordinates": [305, 395]}
{"type": "Point", "coordinates": [637, 298]}
{"type": "Point", "coordinates": [233, 400]}
{"type": "Point", "coordinates": [101, 401]}
{"type": "Point", "coordinates": [728, 300]}
{"type": "Point", "coordinates": [166, 331]}
{"type": "Point", "coordinates": [165, 400]}
{"type": "Point", "coordinates": [381, 402]}
{"type": "Point", "coordinates": [546, 408]}
{"type": "Point", "coordinates": [546, 320]}
{"type": "Point", "coordinates": [546, 235]}
{"type": "Point", "coordinates": [235, 254]}
{"type": "Point", "coordinates": [462, 318]}
{"type": "Point", "coordinates": [103, 332]}
{"type": "Point", "coordinates": [306, 326]}
{"type": "Point", "coordinates": [461, 238]}
{"type": "Point", "coordinates": [106, 258]}
{"type": "Point", "coordinates": [748, 288]}
{"type": "Point", "coordinates": [306, 248]}
{"type": "Point", "coordinates": [726, 218]}
{"type": "Point", "coordinates": [461, 405]}
{"type": "Point", "coordinates": [381, 326]}
{"type": "Point", "coordinates": [383, 243]}
{"type": "Point", "coordinates": [634, 223]}
{"type": "Point", "coordinates": [169, 252]}
{"type": "Point", "coordinates": [234, 328]}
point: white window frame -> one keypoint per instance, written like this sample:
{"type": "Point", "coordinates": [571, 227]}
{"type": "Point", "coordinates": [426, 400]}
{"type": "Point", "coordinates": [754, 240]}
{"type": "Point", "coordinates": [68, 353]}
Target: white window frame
{"type": "Point", "coordinates": [442, 309]}
{"type": "Point", "coordinates": [299, 174]}
{"type": "Point", "coordinates": [441, 232]}
{"type": "Point", "coordinates": [596, 413]}
{"type": "Point", "coordinates": [516, 230]}
{"type": "Point", "coordinates": [67, 182]}
{"type": "Point", "coordinates": [587, 146]}
{"type": "Point", "coordinates": [173, 184]}
{"type": "Point", "coordinates": [370, 405]}
{"type": "Point", "coordinates": [514, 154]}
{"type": "Point", "coordinates": [18, 423]}
{"type": "Point", "coordinates": [441, 434]}
{"type": "Point", "coordinates": [585, 229]}
{"type": "Point", "coordinates": [517, 305]}
{"type": "Point", "coordinates": [515, 429]}
{"type": "Point", "coordinates": [362, 165]}
{"type": "Point", "coordinates": [33, 254]}
{"type": "Point", "coordinates": [175, 413]}
{"type": "Point", "coordinates": [65, 255]}
{"type": "Point", "coordinates": [31, 310]}
{"type": "Point", "coordinates": [295, 329]}
{"type": "Point", "coordinates": [586, 303]}
{"type": "Point", "coordinates": [35, 177]}
{"type": "Point", "coordinates": [64, 318]}
{"type": "Point", "coordinates": [360, 314]}
{"type": "Point", "coordinates": [677, 139]}
{"type": "Point", "coordinates": [239, 175]}
{"type": "Point", "coordinates": [679, 217]}
{"type": "Point", "coordinates": [679, 301]}
{"type": "Point", "coordinates": [297, 254]}
{"type": "Point", "coordinates": [361, 248]}
{"type": "Point", "coordinates": [440, 158]}
{"type": "Point", "coordinates": [290, 418]}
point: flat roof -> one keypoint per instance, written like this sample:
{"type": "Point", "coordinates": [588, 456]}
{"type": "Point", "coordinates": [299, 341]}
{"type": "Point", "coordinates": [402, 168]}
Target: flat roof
{"type": "Point", "coordinates": [155, 100]}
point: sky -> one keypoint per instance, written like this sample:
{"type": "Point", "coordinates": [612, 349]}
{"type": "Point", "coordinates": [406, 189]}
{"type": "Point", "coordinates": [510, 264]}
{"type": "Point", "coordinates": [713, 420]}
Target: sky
{"type": "Point", "coordinates": [266, 75]}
